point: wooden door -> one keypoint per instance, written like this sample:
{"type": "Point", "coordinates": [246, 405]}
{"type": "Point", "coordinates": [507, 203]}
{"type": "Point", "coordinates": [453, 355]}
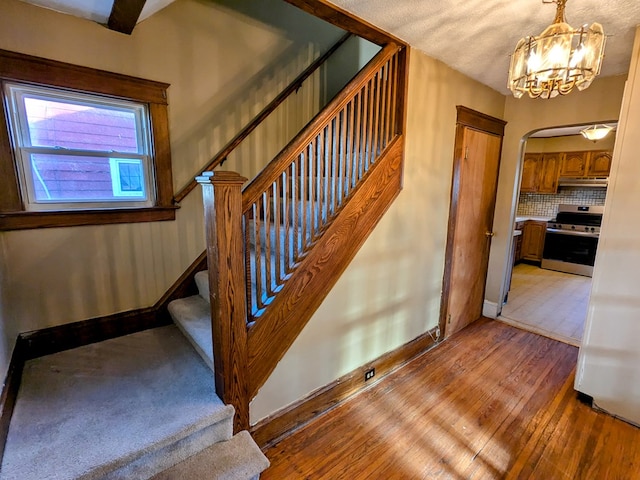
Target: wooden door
{"type": "Point", "coordinates": [574, 164]}
{"type": "Point", "coordinates": [473, 194]}
{"type": "Point", "coordinates": [599, 164]}
{"type": "Point", "coordinates": [530, 172]}
{"type": "Point", "coordinates": [548, 179]}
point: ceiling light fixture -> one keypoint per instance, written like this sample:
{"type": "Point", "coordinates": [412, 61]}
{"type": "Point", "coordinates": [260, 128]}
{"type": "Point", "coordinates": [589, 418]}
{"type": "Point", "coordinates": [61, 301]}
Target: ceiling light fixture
{"type": "Point", "coordinates": [596, 132]}
{"type": "Point", "coordinates": [558, 59]}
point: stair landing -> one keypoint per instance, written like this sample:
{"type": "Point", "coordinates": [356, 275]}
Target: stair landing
{"type": "Point", "coordinates": [129, 407]}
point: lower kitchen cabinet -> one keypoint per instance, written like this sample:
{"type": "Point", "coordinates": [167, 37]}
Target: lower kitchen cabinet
{"type": "Point", "coordinates": [533, 240]}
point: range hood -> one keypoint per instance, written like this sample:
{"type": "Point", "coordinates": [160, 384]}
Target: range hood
{"type": "Point", "coordinates": [583, 182]}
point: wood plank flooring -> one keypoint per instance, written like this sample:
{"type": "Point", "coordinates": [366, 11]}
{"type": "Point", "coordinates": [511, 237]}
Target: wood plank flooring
{"type": "Point", "coordinates": [493, 401]}
{"type": "Point", "coordinates": [552, 303]}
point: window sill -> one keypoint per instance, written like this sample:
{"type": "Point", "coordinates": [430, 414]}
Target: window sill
{"type": "Point", "coordinates": [75, 218]}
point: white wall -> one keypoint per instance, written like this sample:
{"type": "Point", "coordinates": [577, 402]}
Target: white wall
{"type": "Point", "coordinates": [390, 293]}
{"type": "Point", "coordinates": [609, 362]}
{"type": "Point", "coordinates": [223, 66]}
{"type": "Point", "coordinates": [599, 103]}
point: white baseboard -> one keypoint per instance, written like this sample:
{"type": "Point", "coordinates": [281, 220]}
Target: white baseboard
{"type": "Point", "coordinates": [490, 309]}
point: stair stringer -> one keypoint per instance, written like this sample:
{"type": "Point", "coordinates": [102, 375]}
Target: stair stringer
{"type": "Point", "coordinates": [275, 330]}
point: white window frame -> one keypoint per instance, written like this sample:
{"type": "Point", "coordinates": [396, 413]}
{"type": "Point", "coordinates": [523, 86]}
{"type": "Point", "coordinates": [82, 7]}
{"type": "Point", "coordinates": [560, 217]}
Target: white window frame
{"type": "Point", "coordinates": [24, 149]}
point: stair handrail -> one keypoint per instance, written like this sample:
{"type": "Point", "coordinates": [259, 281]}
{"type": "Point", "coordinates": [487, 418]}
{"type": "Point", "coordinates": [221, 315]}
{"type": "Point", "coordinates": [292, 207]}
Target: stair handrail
{"type": "Point", "coordinates": [294, 86]}
{"type": "Point", "coordinates": [275, 168]}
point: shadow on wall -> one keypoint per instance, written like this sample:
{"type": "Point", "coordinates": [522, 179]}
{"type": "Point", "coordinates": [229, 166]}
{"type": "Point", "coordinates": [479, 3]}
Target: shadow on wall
{"type": "Point", "coordinates": [234, 104]}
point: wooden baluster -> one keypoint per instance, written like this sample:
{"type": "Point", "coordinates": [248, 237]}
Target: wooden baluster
{"type": "Point", "coordinates": [258, 276]}
{"type": "Point", "coordinates": [382, 85]}
{"type": "Point", "coordinates": [401, 96]}
{"type": "Point", "coordinates": [357, 135]}
{"type": "Point", "coordinates": [268, 254]}
{"type": "Point", "coordinates": [394, 97]}
{"type": "Point", "coordinates": [388, 106]}
{"type": "Point", "coordinates": [371, 122]}
{"type": "Point", "coordinates": [277, 224]}
{"type": "Point", "coordinates": [222, 197]}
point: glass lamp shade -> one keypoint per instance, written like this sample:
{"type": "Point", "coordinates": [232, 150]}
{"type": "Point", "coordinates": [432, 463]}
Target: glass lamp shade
{"type": "Point", "coordinates": [557, 60]}
{"type": "Point", "coordinates": [596, 132]}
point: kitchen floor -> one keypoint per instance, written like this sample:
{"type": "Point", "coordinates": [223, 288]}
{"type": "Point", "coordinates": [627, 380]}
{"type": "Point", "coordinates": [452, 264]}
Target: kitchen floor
{"type": "Point", "coordinates": [553, 304]}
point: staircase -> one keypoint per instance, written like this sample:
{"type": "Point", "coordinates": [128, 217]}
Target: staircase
{"type": "Point", "coordinates": [143, 405]}
{"type": "Point", "coordinates": [277, 245]}
{"type": "Point", "coordinates": [123, 409]}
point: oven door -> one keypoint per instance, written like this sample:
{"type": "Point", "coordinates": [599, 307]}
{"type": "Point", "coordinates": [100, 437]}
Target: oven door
{"type": "Point", "coordinates": [570, 252]}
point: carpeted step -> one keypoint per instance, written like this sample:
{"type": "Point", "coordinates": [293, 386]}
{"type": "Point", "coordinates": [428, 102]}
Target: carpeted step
{"type": "Point", "coordinates": [193, 316]}
{"type": "Point", "coordinates": [236, 459]}
{"type": "Point", "coordinates": [202, 281]}
{"type": "Point", "coordinates": [125, 408]}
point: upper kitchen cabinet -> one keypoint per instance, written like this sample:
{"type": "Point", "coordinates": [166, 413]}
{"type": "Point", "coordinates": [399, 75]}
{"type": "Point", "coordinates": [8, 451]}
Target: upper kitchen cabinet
{"type": "Point", "coordinates": [574, 164]}
{"type": "Point", "coordinates": [599, 164]}
{"type": "Point", "coordinates": [586, 164]}
{"type": "Point", "coordinates": [540, 172]}
{"type": "Point", "coordinates": [530, 172]}
{"type": "Point", "coordinates": [549, 173]}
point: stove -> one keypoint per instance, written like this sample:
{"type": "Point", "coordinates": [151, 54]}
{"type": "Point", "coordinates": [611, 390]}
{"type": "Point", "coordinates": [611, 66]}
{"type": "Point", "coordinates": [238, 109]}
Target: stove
{"type": "Point", "coordinates": [571, 239]}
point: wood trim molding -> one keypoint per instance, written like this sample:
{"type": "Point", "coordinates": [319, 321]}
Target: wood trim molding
{"type": "Point", "coordinates": [274, 332]}
{"type": "Point", "coordinates": [480, 121]}
{"type": "Point", "coordinates": [274, 428]}
{"type": "Point", "coordinates": [345, 20]}
{"type": "Point", "coordinates": [10, 391]}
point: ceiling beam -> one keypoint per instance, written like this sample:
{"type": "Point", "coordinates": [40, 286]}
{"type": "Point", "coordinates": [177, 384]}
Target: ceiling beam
{"type": "Point", "coordinates": [124, 15]}
{"type": "Point", "coordinates": [346, 20]}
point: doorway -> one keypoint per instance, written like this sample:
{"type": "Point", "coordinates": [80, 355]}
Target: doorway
{"type": "Point", "coordinates": [540, 298]}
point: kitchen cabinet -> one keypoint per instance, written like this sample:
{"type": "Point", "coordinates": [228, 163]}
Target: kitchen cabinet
{"type": "Point", "coordinates": [540, 172]}
{"type": "Point", "coordinates": [517, 240]}
{"type": "Point", "coordinates": [533, 240]}
{"type": "Point", "coordinates": [574, 164]}
{"type": "Point", "coordinates": [530, 172]}
{"type": "Point", "coordinates": [595, 163]}
{"type": "Point", "coordinates": [548, 179]}
{"type": "Point", "coordinates": [599, 164]}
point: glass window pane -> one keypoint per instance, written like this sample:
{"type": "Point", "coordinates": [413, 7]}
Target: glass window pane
{"type": "Point", "coordinates": [72, 178]}
{"type": "Point", "coordinates": [56, 123]}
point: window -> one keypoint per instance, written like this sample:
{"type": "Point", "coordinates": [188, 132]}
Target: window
{"type": "Point", "coordinates": [81, 146]}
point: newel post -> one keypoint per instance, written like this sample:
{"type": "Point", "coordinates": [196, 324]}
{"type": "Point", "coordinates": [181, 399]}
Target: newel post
{"type": "Point", "coordinates": [222, 197]}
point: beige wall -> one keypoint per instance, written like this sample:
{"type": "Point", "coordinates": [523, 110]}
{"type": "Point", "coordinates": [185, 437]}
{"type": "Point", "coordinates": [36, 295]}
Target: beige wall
{"type": "Point", "coordinates": [390, 293]}
{"type": "Point", "coordinates": [569, 143]}
{"type": "Point", "coordinates": [223, 65]}
{"type": "Point", "coordinates": [609, 361]}
{"type": "Point", "coordinates": [599, 103]}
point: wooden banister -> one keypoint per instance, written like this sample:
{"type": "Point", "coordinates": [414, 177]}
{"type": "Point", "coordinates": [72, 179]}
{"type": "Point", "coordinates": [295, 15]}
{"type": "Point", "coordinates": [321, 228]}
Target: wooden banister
{"type": "Point", "coordinates": [277, 247]}
{"type": "Point", "coordinates": [269, 174]}
{"type": "Point", "coordinates": [222, 197]}
{"type": "Point", "coordinates": [258, 119]}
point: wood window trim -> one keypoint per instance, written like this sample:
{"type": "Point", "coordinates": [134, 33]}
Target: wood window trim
{"type": "Point", "coordinates": [17, 67]}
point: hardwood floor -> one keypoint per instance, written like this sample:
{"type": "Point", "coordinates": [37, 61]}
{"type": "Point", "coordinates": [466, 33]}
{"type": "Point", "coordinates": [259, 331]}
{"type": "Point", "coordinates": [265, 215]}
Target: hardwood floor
{"type": "Point", "coordinates": [553, 304]}
{"type": "Point", "coordinates": [493, 401]}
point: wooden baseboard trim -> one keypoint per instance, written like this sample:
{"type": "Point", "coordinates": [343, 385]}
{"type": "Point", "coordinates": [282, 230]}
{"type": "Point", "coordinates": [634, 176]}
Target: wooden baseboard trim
{"type": "Point", "coordinates": [10, 391]}
{"type": "Point", "coordinates": [72, 335]}
{"type": "Point", "coordinates": [283, 423]}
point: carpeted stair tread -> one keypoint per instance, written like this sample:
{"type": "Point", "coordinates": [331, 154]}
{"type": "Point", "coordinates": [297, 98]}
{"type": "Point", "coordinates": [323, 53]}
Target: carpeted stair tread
{"type": "Point", "coordinates": [193, 316]}
{"type": "Point", "coordinates": [202, 281]}
{"type": "Point", "coordinates": [129, 407]}
{"type": "Point", "coordinates": [236, 459]}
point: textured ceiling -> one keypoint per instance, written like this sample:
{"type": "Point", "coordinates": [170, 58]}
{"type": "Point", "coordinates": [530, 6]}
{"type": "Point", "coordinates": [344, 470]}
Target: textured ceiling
{"type": "Point", "coordinates": [476, 37]}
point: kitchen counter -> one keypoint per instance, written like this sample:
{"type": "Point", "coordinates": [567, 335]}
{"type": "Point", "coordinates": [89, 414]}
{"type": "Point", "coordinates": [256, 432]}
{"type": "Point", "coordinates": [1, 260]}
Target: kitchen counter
{"type": "Point", "coordinates": [537, 219]}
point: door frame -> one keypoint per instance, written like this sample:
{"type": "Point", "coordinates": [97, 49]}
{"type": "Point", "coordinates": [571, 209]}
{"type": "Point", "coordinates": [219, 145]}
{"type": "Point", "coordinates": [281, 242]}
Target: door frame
{"type": "Point", "coordinates": [466, 118]}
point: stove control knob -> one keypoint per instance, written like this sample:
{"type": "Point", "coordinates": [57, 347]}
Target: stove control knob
{"type": "Point", "coordinates": [586, 229]}
{"type": "Point", "coordinates": [573, 227]}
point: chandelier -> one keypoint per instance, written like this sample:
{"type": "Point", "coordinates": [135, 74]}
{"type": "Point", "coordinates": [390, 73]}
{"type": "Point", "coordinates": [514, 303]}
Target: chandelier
{"type": "Point", "coordinates": [558, 59]}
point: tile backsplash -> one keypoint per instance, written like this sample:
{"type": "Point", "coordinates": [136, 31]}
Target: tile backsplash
{"type": "Point", "coordinates": [546, 205]}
